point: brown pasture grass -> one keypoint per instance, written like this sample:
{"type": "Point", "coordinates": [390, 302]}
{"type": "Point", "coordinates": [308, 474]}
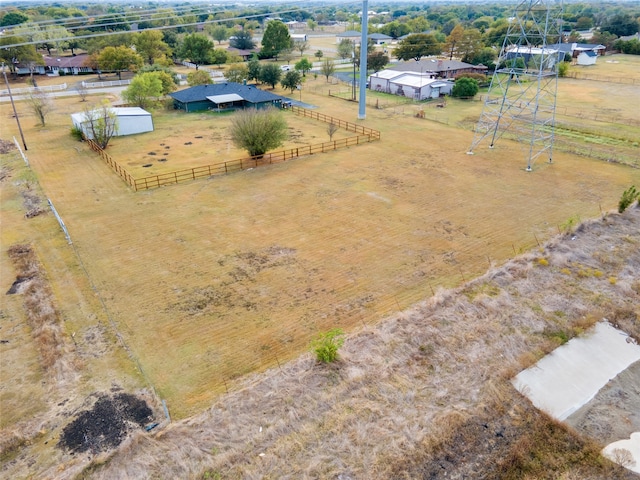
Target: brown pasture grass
{"type": "Point", "coordinates": [218, 278]}
{"type": "Point", "coordinates": [182, 141]}
{"type": "Point", "coordinates": [421, 394]}
{"type": "Point", "coordinates": [210, 281]}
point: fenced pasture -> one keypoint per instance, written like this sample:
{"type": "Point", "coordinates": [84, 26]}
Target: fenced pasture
{"type": "Point", "coordinates": [182, 141]}
{"type": "Point", "coordinates": [210, 280]}
{"type": "Point", "coordinates": [298, 134]}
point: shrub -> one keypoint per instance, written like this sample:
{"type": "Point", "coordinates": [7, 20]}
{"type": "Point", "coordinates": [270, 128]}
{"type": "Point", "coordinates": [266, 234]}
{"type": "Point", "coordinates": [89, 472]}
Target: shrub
{"type": "Point", "coordinates": [257, 131]}
{"type": "Point", "coordinates": [77, 133]}
{"type": "Point", "coordinates": [465, 88]}
{"type": "Point", "coordinates": [563, 69]}
{"type": "Point", "coordinates": [326, 345]}
{"type": "Point", "coordinates": [629, 196]}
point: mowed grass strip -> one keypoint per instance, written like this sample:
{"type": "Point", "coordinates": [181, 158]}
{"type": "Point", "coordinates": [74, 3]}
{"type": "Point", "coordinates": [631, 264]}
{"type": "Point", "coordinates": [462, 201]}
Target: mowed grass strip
{"type": "Point", "coordinates": [210, 280]}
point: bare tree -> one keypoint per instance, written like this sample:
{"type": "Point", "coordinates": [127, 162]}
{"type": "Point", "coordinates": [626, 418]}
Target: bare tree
{"type": "Point", "coordinates": [82, 91]}
{"type": "Point", "coordinates": [301, 46]}
{"type": "Point", "coordinates": [100, 124]}
{"type": "Point", "coordinates": [332, 128]}
{"type": "Point", "coordinates": [327, 68]}
{"type": "Point", "coordinates": [41, 104]}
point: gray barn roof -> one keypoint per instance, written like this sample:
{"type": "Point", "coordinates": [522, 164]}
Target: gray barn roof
{"type": "Point", "coordinates": [199, 93]}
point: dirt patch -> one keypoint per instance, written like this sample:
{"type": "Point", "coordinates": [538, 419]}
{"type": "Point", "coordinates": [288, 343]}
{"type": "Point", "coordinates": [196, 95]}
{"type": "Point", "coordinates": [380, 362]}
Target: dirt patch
{"type": "Point", "coordinates": [32, 203]}
{"type": "Point", "coordinates": [106, 425]}
{"type": "Point", "coordinates": [6, 146]}
{"type": "Point", "coordinates": [614, 413]}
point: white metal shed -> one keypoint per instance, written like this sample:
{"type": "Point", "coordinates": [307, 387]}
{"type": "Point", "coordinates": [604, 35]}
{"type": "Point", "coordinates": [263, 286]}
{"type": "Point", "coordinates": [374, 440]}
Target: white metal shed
{"type": "Point", "coordinates": [130, 120]}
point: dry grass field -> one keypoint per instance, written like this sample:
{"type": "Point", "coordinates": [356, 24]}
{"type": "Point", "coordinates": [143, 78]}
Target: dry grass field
{"type": "Point", "coordinates": [185, 290]}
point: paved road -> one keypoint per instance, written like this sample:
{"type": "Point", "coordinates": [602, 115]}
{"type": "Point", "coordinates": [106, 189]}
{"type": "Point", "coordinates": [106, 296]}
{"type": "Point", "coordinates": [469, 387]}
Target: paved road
{"type": "Point", "coordinates": [70, 92]}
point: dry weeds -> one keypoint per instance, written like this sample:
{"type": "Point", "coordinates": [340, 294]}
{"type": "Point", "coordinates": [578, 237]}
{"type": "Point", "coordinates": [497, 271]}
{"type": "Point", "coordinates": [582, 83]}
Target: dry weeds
{"type": "Point", "coordinates": [423, 394]}
{"type": "Point", "coordinates": [42, 316]}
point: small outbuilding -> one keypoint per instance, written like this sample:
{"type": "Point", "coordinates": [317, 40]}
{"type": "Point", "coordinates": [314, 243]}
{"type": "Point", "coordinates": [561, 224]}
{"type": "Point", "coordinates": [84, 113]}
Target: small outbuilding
{"type": "Point", "coordinates": [129, 121]}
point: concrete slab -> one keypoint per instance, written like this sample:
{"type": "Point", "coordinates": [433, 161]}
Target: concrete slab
{"type": "Point", "coordinates": [616, 452]}
{"type": "Point", "coordinates": [572, 374]}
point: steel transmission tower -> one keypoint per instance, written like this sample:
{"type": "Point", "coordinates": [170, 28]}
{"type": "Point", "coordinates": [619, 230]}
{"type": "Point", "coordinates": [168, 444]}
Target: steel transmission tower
{"type": "Point", "coordinates": [521, 101]}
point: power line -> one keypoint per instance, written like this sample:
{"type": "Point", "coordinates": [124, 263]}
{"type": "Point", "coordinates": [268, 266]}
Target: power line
{"type": "Point", "coordinates": [162, 27]}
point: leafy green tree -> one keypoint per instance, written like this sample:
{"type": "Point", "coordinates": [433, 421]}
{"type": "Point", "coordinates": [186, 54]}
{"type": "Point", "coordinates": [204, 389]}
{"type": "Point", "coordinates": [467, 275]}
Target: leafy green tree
{"type": "Point", "coordinates": [242, 40]}
{"type": "Point", "coordinates": [377, 61]}
{"type": "Point", "coordinates": [196, 48]}
{"type": "Point", "coordinates": [237, 73]}
{"type": "Point", "coordinates": [630, 47]}
{"type": "Point", "coordinates": [219, 33]}
{"type": "Point", "coordinates": [312, 24]}
{"type": "Point", "coordinates": [584, 23]}
{"type": "Point", "coordinates": [13, 18]}
{"type": "Point", "coordinates": [465, 88]}
{"type": "Point", "coordinates": [418, 24]}
{"type": "Point", "coordinates": [218, 56]}
{"type": "Point", "coordinates": [119, 59]}
{"type": "Point", "coordinates": [328, 68]}
{"type": "Point", "coordinates": [418, 45]}
{"type": "Point", "coordinates": [276, 38]}
{"type": "Point", "coordinates": [23, 54]}
{"type": "Point", "coordinates": [395, 29]}
{"type": "Point", "coordinates": [168, 77]}
{"type": "Point", "coordinates": [199, 77]}
{"type": "Point", "coordinates": [101, 123]}
{"type": "Point", "coordinates": [496, 34]}
{"type": "Point", "coordinates": [326, 345]}
{"type": "Point", "coordinates": [253, 69]}
{"type": "Point", "coordinates": [303, 65]}
{"type": "Point", "coordinates": [346, 48]}
{"type": "Point", "coordinates": [470, 44]}
{"type": "Point", "coordinates": [319, 54]}
{"type": "Point", "coordinates": [143, 90]}
{"type": "Point", "coordinates": [151, 46]}
{"type": "Point", "coordinates": [291, 80]}
{"type": "Point", "coordinates": [621, 24]}
{"type": "Point", "coordinates": [258, 131]}
{"type": "Point", "coordinates": [485, 56]}
{"type": "Point", "coordinates": [270, 73]}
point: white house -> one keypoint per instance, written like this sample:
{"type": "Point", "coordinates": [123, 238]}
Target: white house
{"type": "Point", "coordinates": [418, 86]}
{"type": "Point", "coordinates": [587, 57]}
{"type": "Point", "coordinates": [129, 121]}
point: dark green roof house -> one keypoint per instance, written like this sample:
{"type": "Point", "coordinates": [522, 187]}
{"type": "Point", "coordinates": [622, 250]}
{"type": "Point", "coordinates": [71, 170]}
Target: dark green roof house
{"type": "Point", "coordinates": [223, 96]}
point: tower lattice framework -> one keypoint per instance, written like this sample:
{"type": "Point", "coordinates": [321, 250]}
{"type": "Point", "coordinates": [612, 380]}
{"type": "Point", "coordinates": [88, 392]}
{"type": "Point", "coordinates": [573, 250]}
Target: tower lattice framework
{"type": "Point", "coordinates": [521, 100]}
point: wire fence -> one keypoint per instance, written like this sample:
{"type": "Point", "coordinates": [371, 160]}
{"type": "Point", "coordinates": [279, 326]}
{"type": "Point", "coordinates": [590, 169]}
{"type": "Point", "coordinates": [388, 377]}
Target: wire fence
{"type": "Point", "coordinates": [603, 78]}
{"type": "Point", "coordinates": [365, 135]}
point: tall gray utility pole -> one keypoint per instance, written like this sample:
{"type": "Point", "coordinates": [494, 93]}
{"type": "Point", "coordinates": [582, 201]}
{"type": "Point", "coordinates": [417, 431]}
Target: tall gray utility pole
{"type": "Point", "coordinates": [521, 102]}
{"type": "Point", "coordinates": [363, 61]}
